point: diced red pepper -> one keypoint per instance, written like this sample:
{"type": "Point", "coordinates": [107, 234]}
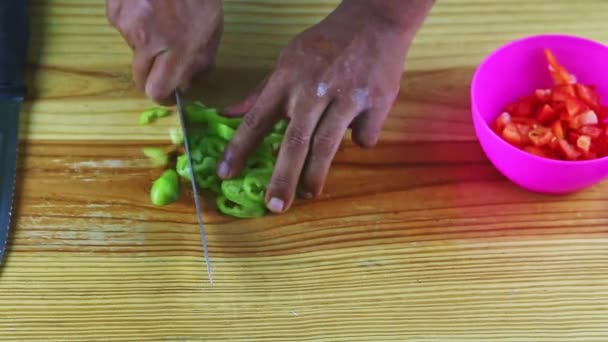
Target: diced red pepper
{"type": "Point", "coordinates": [588, 95]}
{"type": "Point", "coordinates": [541, 152]}
{"type": "Point", "coordinates": [558, 129]}
{"type": "Point", "coordinates": [524, 107]}
{"type": "Point", "coordinates": [543, 95]}
{"type": "Point", "coordinates": [572, 137]}
{"type": "Point", "coordinates": [500, 122]}
{"type": "Point", "coordinates": [523, 120]}
{"type": "Point", "coordinates": [592, 131]}
{"type": "Point", "coordinates": [540, 136]}
{"type": "Point", "coordinates": [575, 107]}
{"type": "Point", "coordinates": [566, 121]}
{"type": "Point", "coordinates": [545, 114]}
{"type": "Point", "coordinates": [583, 142]}
{"type": "Point", "coordinates": [511, 134]}
{"type": "Point", "coordinates": [568, 151]}
{"type": "Point", "coordinates": [559, 74]}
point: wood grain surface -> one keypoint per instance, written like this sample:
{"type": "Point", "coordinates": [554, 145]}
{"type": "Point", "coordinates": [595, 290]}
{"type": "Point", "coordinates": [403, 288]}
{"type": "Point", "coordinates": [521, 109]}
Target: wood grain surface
{"type": "Point", "coordinates": [419, 239]}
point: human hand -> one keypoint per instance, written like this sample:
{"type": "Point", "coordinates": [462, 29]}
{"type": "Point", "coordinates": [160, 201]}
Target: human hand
{"type": "Point", "coordinates": [344, 71]}
{"type": "Point", "coordinates": [172, 41]}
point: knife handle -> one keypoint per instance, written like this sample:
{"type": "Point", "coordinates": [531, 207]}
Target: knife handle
{"type": "Point", "coordinates": [14, 34]}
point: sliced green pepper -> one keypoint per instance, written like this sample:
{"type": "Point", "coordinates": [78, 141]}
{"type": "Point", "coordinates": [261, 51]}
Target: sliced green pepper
{"type": "Point", "coordinates": [273, 141]}
{"type": "Point", "coordinates": [197, 113]}
{"type": "Point", "coordinates": [176, 136]}
{"type": "Point", "coordinates": [157, 156]}
{"type": "Point", "coordinates": [228, 207]}
{"type": "Point", "coordinates": [234, 191]}
{"type": "Point", "coordinates": [151, 114]}
{"type": "Point", "coordinates": [212, 146]}
{"type": "Point", "coordinates": [165, 189]}
{"type": "Point", "coordinates": [255, 183]}
{"type": "Point", "coordinates": [280, 127]}
{"type": "Point", "coordinates": [260, 162]}
{"type": "Point", "coordinates": [206, 175]}
{"type": "Point", "coordinates": [220, 130]}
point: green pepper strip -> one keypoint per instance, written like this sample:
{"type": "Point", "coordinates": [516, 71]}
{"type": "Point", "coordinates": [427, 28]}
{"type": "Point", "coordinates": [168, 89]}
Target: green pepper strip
{"type": "Point", "coordinates": [176, 136]}
{"type": "Point", "coordinates": [151, 114]}
{"type": "Point", "coordinates": [273, 141]}
{"type": "Point", "coordinates": [212, 146]}
{"type": "Point", "coordinates": [181, 166]}
{"type": "Point", "coordinates": [228, 207]}
{"type": "Point", "coordinates": [280, 127]}
{"type": "Point", "coordinates": [260, 162]}
{"type": "Point", "coordinates": [220, 130]}
{"type": "Point", "coordinates": [197, 113]}
{"type": "Point", "coordinates": [157, 156]}
{"type": "Point", "coordinates": [255, 183]}
{"type": "Point", "coordinates": [165, 189]}
{"type": "Point", "coordinates": [206, 176]}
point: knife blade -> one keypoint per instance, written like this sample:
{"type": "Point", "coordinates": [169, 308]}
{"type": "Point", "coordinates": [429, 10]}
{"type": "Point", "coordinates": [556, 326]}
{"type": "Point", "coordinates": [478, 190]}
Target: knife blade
{"type": "Point", "coordinates": [14, 34]}
{"type": "Point", "coordinates": [201, 225]}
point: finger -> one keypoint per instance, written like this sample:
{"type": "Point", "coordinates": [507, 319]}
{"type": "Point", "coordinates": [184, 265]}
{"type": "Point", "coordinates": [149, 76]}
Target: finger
{"type": "Point", "coordinates": [325, 144]}
{"type": "Point", "coordinates": [142, 63]}
{"type": "Point", "coordinates": [245, 105]}
{"type": "Point", "coordinates": [368, 125]}
{"type": "Point", "coordinates": [305, 116]}
{"type": "Point", "coordinates": [113, 9]}
{"type": "Point", "coordinates": [256, 123]}
{"type": "Point", "coordinates": [167, 73]}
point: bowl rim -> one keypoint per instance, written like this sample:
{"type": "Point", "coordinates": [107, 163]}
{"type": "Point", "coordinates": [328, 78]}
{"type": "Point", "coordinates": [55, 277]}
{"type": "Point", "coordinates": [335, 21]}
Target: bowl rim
{"type": "Point", "coordinates": [477, 115]}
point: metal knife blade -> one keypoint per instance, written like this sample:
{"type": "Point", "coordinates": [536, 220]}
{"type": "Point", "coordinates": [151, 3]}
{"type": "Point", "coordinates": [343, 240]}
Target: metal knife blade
{"type": "Point", "coordinates": [9, 141]}
{"type": "Point", "coordinates": [14, 34]}
{"type": "Point", "coordinates": [182, 118]}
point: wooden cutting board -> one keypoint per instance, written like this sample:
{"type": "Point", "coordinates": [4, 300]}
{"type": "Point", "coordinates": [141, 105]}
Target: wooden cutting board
{"type": "Point", "coordinates": [419, 239]}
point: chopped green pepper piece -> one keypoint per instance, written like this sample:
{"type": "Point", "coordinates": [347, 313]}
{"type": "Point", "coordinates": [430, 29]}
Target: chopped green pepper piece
{"type": "Point", "coordinates": [280, 127]}
{"type": "Point", "coordinates": [176, 136]}
{"type": "Point", "coordinates": [273, 140]}
{"type": "Point", "coordinates": [260, 162]}
{"type": "Point", "coordinates": [255, 183]}
{"type": "Point", "coordinates": [206, 175]}
{"type": "Point", "coordinates": [158, 156]}
{"type": "Point", "coordinates": [220, 130]}
{"type": "Point", "coordinates": [151, 114]}
{"type": "Point", "coordinates": [212, 146]}
{"type": "Point", "coordinates": [228, 207]}
{"type": "Point", "coordinates": [234, 191]}
{"type": "Point", "coordinates": [165, 189]}
{"type": "Point", "coordinates": [197, 113]}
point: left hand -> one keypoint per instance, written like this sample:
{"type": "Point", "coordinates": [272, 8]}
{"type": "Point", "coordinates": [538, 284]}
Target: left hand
{"type": "Point", "coordinates": [343, 72]}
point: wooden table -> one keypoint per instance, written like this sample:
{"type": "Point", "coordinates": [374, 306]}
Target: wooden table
{"type": "Point", "coordinates": [419, 239]}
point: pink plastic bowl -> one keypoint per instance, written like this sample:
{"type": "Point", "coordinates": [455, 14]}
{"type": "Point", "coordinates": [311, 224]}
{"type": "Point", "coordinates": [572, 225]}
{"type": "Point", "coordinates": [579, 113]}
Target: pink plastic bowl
{"type": "Point", "coordinates": [517, 69]}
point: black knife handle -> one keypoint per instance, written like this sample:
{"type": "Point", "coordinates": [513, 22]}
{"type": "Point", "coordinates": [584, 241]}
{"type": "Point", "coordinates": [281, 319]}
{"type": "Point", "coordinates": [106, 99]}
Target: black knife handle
{"type": "Point", "coordinates": [14, 34]}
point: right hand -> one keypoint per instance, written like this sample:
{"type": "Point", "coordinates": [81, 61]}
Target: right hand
{"type": "Point", "coordinates": [172, 40]}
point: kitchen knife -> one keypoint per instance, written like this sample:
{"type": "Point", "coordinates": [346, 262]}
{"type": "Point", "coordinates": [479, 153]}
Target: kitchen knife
{"type": "Point", "coordinates": [14, 34]}
{"type": "Point", "coordinates": [182, 118]}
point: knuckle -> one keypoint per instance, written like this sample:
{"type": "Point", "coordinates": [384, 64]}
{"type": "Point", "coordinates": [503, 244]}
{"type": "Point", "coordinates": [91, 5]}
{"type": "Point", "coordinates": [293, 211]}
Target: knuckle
{"type": "Point", "coordinates": [297, 137]}
{"type": "Point", "coordinates": [325, 143]}
{"type": "Point", "coordinates": [156, 92]}
{"type": "Point", "coordinates": [252, 121]}
{"type": "Point", "coordinates": [137, 36]}
{"type": "Point", "coordinates": [280, 180]}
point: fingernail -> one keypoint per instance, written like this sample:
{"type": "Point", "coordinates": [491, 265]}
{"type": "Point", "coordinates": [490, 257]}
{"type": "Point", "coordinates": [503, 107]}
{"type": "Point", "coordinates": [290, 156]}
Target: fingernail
{"type": "Point", "coordinates": [224, 170]}
{"type": "Point", "coordinates": [276, 205]}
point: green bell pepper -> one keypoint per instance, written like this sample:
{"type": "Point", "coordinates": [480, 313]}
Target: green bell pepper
{"type": "Point", "coordinates": [165, 189]}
